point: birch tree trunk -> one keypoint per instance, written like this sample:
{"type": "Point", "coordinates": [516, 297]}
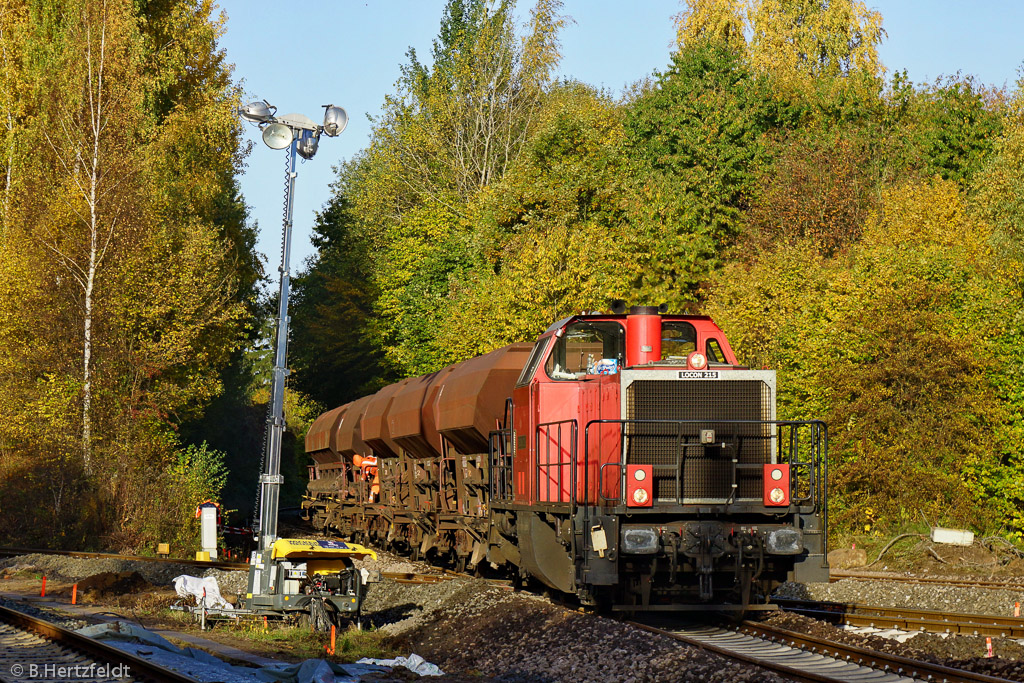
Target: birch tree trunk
{"type": "Point", "coordinates": [96, 95]}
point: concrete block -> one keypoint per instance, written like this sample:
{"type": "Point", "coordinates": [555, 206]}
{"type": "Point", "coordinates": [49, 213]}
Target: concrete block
{"type": "Point", "coordinates": [952, 536]}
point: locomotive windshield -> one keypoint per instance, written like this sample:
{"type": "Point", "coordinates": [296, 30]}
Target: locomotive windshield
{"type": "Point", "coordinates": [587, 348]}
{"type": "Point", "coordinates": [678, 339]}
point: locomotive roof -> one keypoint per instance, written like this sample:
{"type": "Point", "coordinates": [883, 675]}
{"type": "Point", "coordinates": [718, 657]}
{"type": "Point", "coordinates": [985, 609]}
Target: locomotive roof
{"type": "Point", "coordinates": [613, 316]}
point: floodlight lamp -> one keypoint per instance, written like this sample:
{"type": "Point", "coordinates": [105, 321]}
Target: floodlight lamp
{"type": "Point", "coordinates": [335, 120]}
{"type": "Point", "coordinates": [277, 136]}
{"type": "Point", "coordinates": [307, 145]}
{"type": "Point", "coordinates": [257, 111]}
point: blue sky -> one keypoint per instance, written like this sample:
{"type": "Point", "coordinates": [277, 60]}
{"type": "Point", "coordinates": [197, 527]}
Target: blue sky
{"type": "Point", "coordinates": [304, 54]}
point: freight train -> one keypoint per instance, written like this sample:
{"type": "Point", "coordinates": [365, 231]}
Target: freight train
{"type": "Point", "coordinates": [625, 458]}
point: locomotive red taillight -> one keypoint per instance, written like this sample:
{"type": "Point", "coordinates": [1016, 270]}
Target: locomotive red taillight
{"type": "Point", "coordinates": [776, 485]}
{"type": "Point", "coordinates": [639, 486]}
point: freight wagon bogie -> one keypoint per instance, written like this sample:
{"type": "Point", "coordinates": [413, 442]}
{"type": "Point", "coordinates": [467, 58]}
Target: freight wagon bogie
{"type": "Point", "coordinates": [625, 459]}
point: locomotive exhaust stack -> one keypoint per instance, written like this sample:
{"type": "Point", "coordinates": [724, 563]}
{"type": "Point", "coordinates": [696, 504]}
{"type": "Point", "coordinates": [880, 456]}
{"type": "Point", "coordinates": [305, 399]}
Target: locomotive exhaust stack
{"type": "Point", "coordinates": [626, 458]}
{"type": "Point", "coordinates": [643, 336]}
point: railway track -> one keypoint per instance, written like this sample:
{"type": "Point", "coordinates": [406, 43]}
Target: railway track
{"type": "Point", "coordinates": [211, 564]}
{"type": "Point", "coordinates": [399, 577]}
{"type": "Point", "coordinates": [37, 650]}
{"type": "Point", "coordinates": [807, 658]}
{"type": "Point", "coordinates": [905, 619]}
{"type": "Point", "coordinates": [839, 575]}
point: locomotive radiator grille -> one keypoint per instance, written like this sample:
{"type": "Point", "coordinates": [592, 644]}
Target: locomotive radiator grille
{"type": "Point", "coordinates": [705, 471]}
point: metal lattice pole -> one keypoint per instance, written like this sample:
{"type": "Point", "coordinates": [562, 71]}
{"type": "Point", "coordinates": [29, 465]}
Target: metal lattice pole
{"type": "Point", "coordinates": [271, 479]}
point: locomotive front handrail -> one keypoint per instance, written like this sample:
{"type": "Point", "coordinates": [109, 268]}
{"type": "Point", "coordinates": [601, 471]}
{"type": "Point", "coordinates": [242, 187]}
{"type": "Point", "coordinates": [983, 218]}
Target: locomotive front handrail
{"type": "Point", "coordinates": [812, 463]}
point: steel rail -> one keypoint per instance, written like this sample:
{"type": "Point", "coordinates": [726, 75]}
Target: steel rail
{"type": "Point", "coordinates": [933, 621]}
{"type": "Point", "coordinates": [839, 575]}
{"type": "Point", "coordinates": [867, 657]}
{"type": "Point", "coordinates": [398, 577]}
{"type": "Point", "coordinates": [208, 564]}
{"type": "Point", "coordinates": [141, 669]}
{"type": "Point", "coordinates": [808, 658]}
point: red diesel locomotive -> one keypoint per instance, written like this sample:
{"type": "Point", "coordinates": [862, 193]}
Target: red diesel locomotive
{"type": "Point", "coordinates": [624, 458]}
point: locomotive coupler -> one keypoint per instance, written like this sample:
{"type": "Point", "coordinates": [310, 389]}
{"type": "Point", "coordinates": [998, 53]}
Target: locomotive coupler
{"type": "Point", "coordinates": [672, 542]}
{"type": "Point", "coordinates": [705, 543]}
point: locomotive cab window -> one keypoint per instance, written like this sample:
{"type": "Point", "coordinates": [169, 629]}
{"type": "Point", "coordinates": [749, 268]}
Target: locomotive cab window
{"type": "Point", "coordinates": [678, 340]}
{"type": "Point", "coordinates": [714, 351]}
{"type": "Point", "coordinates": [533, 361]}
{"type": "Point", "coordinates": [587, 348]}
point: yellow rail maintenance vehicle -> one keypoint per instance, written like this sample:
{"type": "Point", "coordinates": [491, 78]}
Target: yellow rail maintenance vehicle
{"type": "Point", "coordinates": [318, 577]}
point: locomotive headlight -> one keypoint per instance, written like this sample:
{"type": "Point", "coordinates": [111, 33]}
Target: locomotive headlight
{"type": "Point", "coordinates": [639, 541]}
{"type": "Point", "coordinates": [776, 474]}
{"type": "Point", "coordinates": [639, 475]}
{"type": "Point", "coordinates": [697, 360]}
{"type": "Point", "coordinates": [777, 495]}
{"type": "Point", "coordinates": [640, 496]}
{"type": "Point", "coordinates": [785, 541]}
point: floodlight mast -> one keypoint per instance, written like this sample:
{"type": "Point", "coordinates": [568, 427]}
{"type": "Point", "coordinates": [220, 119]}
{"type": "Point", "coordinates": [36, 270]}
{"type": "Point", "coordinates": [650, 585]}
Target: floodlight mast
{"type": "Point", "coordinates": [302, 132]}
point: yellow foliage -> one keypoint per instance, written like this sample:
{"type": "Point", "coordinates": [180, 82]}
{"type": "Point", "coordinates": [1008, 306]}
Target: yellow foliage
{"type": "Point", "coordinates": [712, 20]}
{"type": "Point", "coordinates": [799, 41]}
{"type": "Point", "coordinates": [928, 214]}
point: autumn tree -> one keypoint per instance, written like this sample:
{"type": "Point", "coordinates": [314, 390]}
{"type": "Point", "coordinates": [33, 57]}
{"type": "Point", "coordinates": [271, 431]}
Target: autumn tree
{"type": "Point", "coordinates": [547, 230]}
{"type": "Point", "coordinates": [124, 262]}
{"type": "Point", "coordinates": [805, 44]}
{"type": "Point", "coordinates": [896, 344]}
{"type": "Point", "coordinates": [450, 130]}
{"type": "Point", "coordinates": [818, 188]}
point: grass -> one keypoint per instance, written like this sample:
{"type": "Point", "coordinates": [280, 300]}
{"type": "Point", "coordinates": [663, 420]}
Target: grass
{"type": "Point", "coordinates": [304, 643]}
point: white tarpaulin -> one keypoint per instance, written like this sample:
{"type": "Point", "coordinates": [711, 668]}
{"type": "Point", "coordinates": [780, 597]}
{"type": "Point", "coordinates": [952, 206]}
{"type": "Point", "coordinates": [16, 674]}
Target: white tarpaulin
{"type": "Point", "coordinates": [186, 586]}
{"type": "Point", "coordinates": [413, 663]}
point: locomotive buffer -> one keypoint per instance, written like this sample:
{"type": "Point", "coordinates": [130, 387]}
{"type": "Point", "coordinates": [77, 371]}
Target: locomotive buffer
{"type": "Point", "coordinates": [296, 577]}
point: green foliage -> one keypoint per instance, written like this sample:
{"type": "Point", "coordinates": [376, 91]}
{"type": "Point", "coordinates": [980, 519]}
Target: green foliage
{"type": "Point", "coordinates": [956, 124]}
{"type": "Point", "coordinates": [333, 356]}
{"type": "Point", "coordinates": [196, 474]}
{"type": "Point", "coordinates": [896, 343]}
{"type": "Point", "coordinates": [862, 238]}
{"type": "Point", "coordinates": [698, 133]}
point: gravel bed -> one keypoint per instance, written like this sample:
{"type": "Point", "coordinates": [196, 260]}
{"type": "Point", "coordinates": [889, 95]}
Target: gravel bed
{"type": "Point", "coordinates": [49, 615]}
{"type": "Point", "coordinates": [63, 568]}
{"type": "Point", "coordinates": [468, 627]}
{"type": "Point", "coordinates": [230, 582]}
{"type": "Point", "coordinates": [882, 593]}
{"type": "Point", "coordinates": [476, 631]}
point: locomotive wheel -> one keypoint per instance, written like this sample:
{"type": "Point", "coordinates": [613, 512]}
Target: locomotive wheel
{"type": "Point", "coordinates": [460, 564]}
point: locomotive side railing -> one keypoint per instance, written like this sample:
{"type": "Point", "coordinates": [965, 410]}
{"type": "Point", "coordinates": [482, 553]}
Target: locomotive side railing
{"type": "Point", "coordinates": [553, 440]}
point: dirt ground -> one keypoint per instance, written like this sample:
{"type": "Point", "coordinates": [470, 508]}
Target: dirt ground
{"type": "Point", "coordinates": [990, 558]}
